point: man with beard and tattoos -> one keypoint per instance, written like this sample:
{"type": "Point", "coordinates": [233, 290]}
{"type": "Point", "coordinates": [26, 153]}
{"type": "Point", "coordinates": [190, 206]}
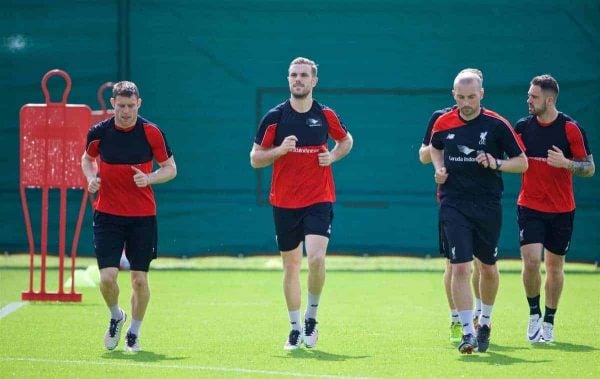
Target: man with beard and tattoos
{"type": "Point", "coordinates": [557, 149]}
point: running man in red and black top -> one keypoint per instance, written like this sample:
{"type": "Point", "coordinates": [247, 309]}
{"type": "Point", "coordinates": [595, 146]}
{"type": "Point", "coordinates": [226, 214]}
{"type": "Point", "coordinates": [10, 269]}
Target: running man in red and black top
{"type": "Point", "coordinates": [125, 209]}
{"type": "Point", "coordinates": [557, 149]}
{"type": "Point", "coordinates": [425, 157]}
{"type": "Point", "coordinates": [467, 150]}
{"type": "Point", "coordinates": [293, 137]}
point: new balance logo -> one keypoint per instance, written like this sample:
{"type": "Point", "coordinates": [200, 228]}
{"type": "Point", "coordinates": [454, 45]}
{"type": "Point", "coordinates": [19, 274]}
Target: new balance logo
{"type": "Point", "coordinates": [464, 149]}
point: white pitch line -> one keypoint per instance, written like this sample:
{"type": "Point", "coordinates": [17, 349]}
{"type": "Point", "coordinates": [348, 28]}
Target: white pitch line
{"type": "Point", "coordinates": [10, 308]}
{"type": "Point", "coordinates": [182, 367]}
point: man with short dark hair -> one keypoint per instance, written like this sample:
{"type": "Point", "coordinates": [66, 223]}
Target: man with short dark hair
{"type": "Point", "coordinates": [557, 149]}
{"type": "Point", "coordinates": [125, 209]}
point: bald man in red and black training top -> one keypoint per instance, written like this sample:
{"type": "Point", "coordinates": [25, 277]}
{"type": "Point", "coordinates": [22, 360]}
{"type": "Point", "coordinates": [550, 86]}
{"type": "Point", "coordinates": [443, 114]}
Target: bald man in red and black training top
{"type": "Point", "coordinates": [557, 149]}
{"type": "Point", "coordinates": [467, 150]}
{"type": "Point", "coordinates": [125, 210]}
{"type": "Point", "coordinates": [293, 137]}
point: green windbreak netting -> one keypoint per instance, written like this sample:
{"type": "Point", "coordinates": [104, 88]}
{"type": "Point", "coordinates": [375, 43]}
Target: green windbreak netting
{"type": "Point", "coordinates": [208, 70]}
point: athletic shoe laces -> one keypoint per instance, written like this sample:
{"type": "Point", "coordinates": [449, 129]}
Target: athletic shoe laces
{"type": "Point", "coordinates": [292, 339]}
{"type": "Point", "coordinates": [112, 330]}
{"type": "Point", "coordinates": [309, 326]}
{"type": "Point", "coordinates": [131, 339]}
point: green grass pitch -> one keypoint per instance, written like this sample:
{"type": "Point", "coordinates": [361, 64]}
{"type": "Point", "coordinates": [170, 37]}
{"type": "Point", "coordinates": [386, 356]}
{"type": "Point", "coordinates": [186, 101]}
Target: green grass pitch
{"type": "Point", "coordinates": [222, 318]}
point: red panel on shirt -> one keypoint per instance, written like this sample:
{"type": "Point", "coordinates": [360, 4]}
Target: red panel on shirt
{"type": "Point", "coordinates": [576, 142]}
{"type": "Point", "coordinates": [157, 143]}
{"type": "Point", "coordinates": [448, 121]}
{"type": "Point", "coordinates": [93, 148]}
{"type": "Point", "coordinates": [269, 136]}
{"type": "Point", "coordinates": [336, 130]}
{"type": "Point", "coordinates": [550, 189]}
{"type": "Point", "coordinates": [118, 193]}
{"type": "Point", "coordinates": [300, 180]}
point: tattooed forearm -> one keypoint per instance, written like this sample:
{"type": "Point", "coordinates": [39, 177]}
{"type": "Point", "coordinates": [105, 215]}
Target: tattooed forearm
{"type": "Point", "coordinates": [582, 168]}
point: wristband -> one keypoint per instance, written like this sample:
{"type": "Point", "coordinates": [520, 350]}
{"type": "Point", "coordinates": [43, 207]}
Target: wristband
{"type": "Point", "coordinates": [498, 164]}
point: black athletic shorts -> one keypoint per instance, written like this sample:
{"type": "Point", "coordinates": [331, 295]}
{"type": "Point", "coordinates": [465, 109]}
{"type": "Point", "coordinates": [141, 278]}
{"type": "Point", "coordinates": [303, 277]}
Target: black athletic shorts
{"type": "Point", "coordinates": [472, 228]}
{"type": "Point", "coordinates": [291, 225]}
{"type": "Point", "coordinates": [553, 230]}
{"type": "Point", "coordinates": [443, 242]}
{"type": "Point", "coordinates": [137, 235]}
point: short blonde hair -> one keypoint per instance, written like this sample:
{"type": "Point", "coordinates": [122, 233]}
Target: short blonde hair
{"type": "Point", "coordinates": [472, 71]}
{"type": "Point", "coordinates": [302, 60]}
{"type": "Point", "coordinates": [468, 78]}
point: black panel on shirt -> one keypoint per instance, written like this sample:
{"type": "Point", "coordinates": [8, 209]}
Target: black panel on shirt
{"type": "Point", "coordinates": [539, 139]}
{"type": "Point", "coordinates": [119, 146]}
{"type": "Point", "coordinates": [311, 128]}
{"type": "Point", "coordinates": [461, 140]}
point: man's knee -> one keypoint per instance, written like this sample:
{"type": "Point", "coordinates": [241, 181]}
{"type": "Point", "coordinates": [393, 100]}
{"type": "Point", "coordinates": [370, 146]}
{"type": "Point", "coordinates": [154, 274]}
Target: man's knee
{"type": "Point", "coordinates": [488, 271]}
{"type": "Point", "coordinates": [461, 270]}
{"type": "Point", "coordinates": [316, 261]}
{"type": "Point", "coordinates": [554, 268]}
{"type": "Point", "coordinates": [531, 257]}
{"type": "Point", "coordinates": [139, 282]}
{"type": "Point", "coordinates": [108, 276]}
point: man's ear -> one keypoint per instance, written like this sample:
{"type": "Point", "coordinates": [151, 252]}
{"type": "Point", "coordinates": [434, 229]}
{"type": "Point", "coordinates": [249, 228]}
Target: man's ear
{"type": "Point", "coordinates": [112, 101]}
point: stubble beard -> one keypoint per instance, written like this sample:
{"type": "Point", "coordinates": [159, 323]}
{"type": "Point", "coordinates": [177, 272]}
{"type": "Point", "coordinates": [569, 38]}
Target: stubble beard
{"type": "Point", "coordinates": [467, 111]}
{"type": "Point", "coordinates": [537, 111]}
{"type": "Point", "coordinates": [300, 95]}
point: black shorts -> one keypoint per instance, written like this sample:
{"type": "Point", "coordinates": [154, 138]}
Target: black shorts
{"type": "Point", "coordinates": [472, 228]}
{"type": "Point", "coordinates": [443, 242]}
{"type": "Point", "coordinates": [553, 230]}
{"type": "Point", "coordinates": [291, 225]}
{"type": "Point", "coordinates": [137, 235]}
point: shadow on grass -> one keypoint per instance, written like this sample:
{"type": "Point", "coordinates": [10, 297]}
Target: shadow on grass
{"type": "Point", "coordinates": [546, 346]}
{"type": "Point", "coordinates": [564, 346]}
{"type": "Point", "coordinates": [505, 349]}
{"type": "Point", "coordinates": [319, 355]}
{"type": "Point", "coordinates": [142, 356]}
{"type": "Point", "coordinates": [497, 359]}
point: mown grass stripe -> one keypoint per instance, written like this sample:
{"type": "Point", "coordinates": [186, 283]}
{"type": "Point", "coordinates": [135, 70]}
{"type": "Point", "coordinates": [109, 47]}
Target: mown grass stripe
{"type": "Point", "coordinates": [10, 308]}
{"type": "Point", "coordinates": [181, 367]}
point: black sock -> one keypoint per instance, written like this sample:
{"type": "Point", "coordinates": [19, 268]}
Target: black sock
{"type": "Point", "coordinates": [534, 305]}
{"type": "Point", "coordinates": [549, 315]}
